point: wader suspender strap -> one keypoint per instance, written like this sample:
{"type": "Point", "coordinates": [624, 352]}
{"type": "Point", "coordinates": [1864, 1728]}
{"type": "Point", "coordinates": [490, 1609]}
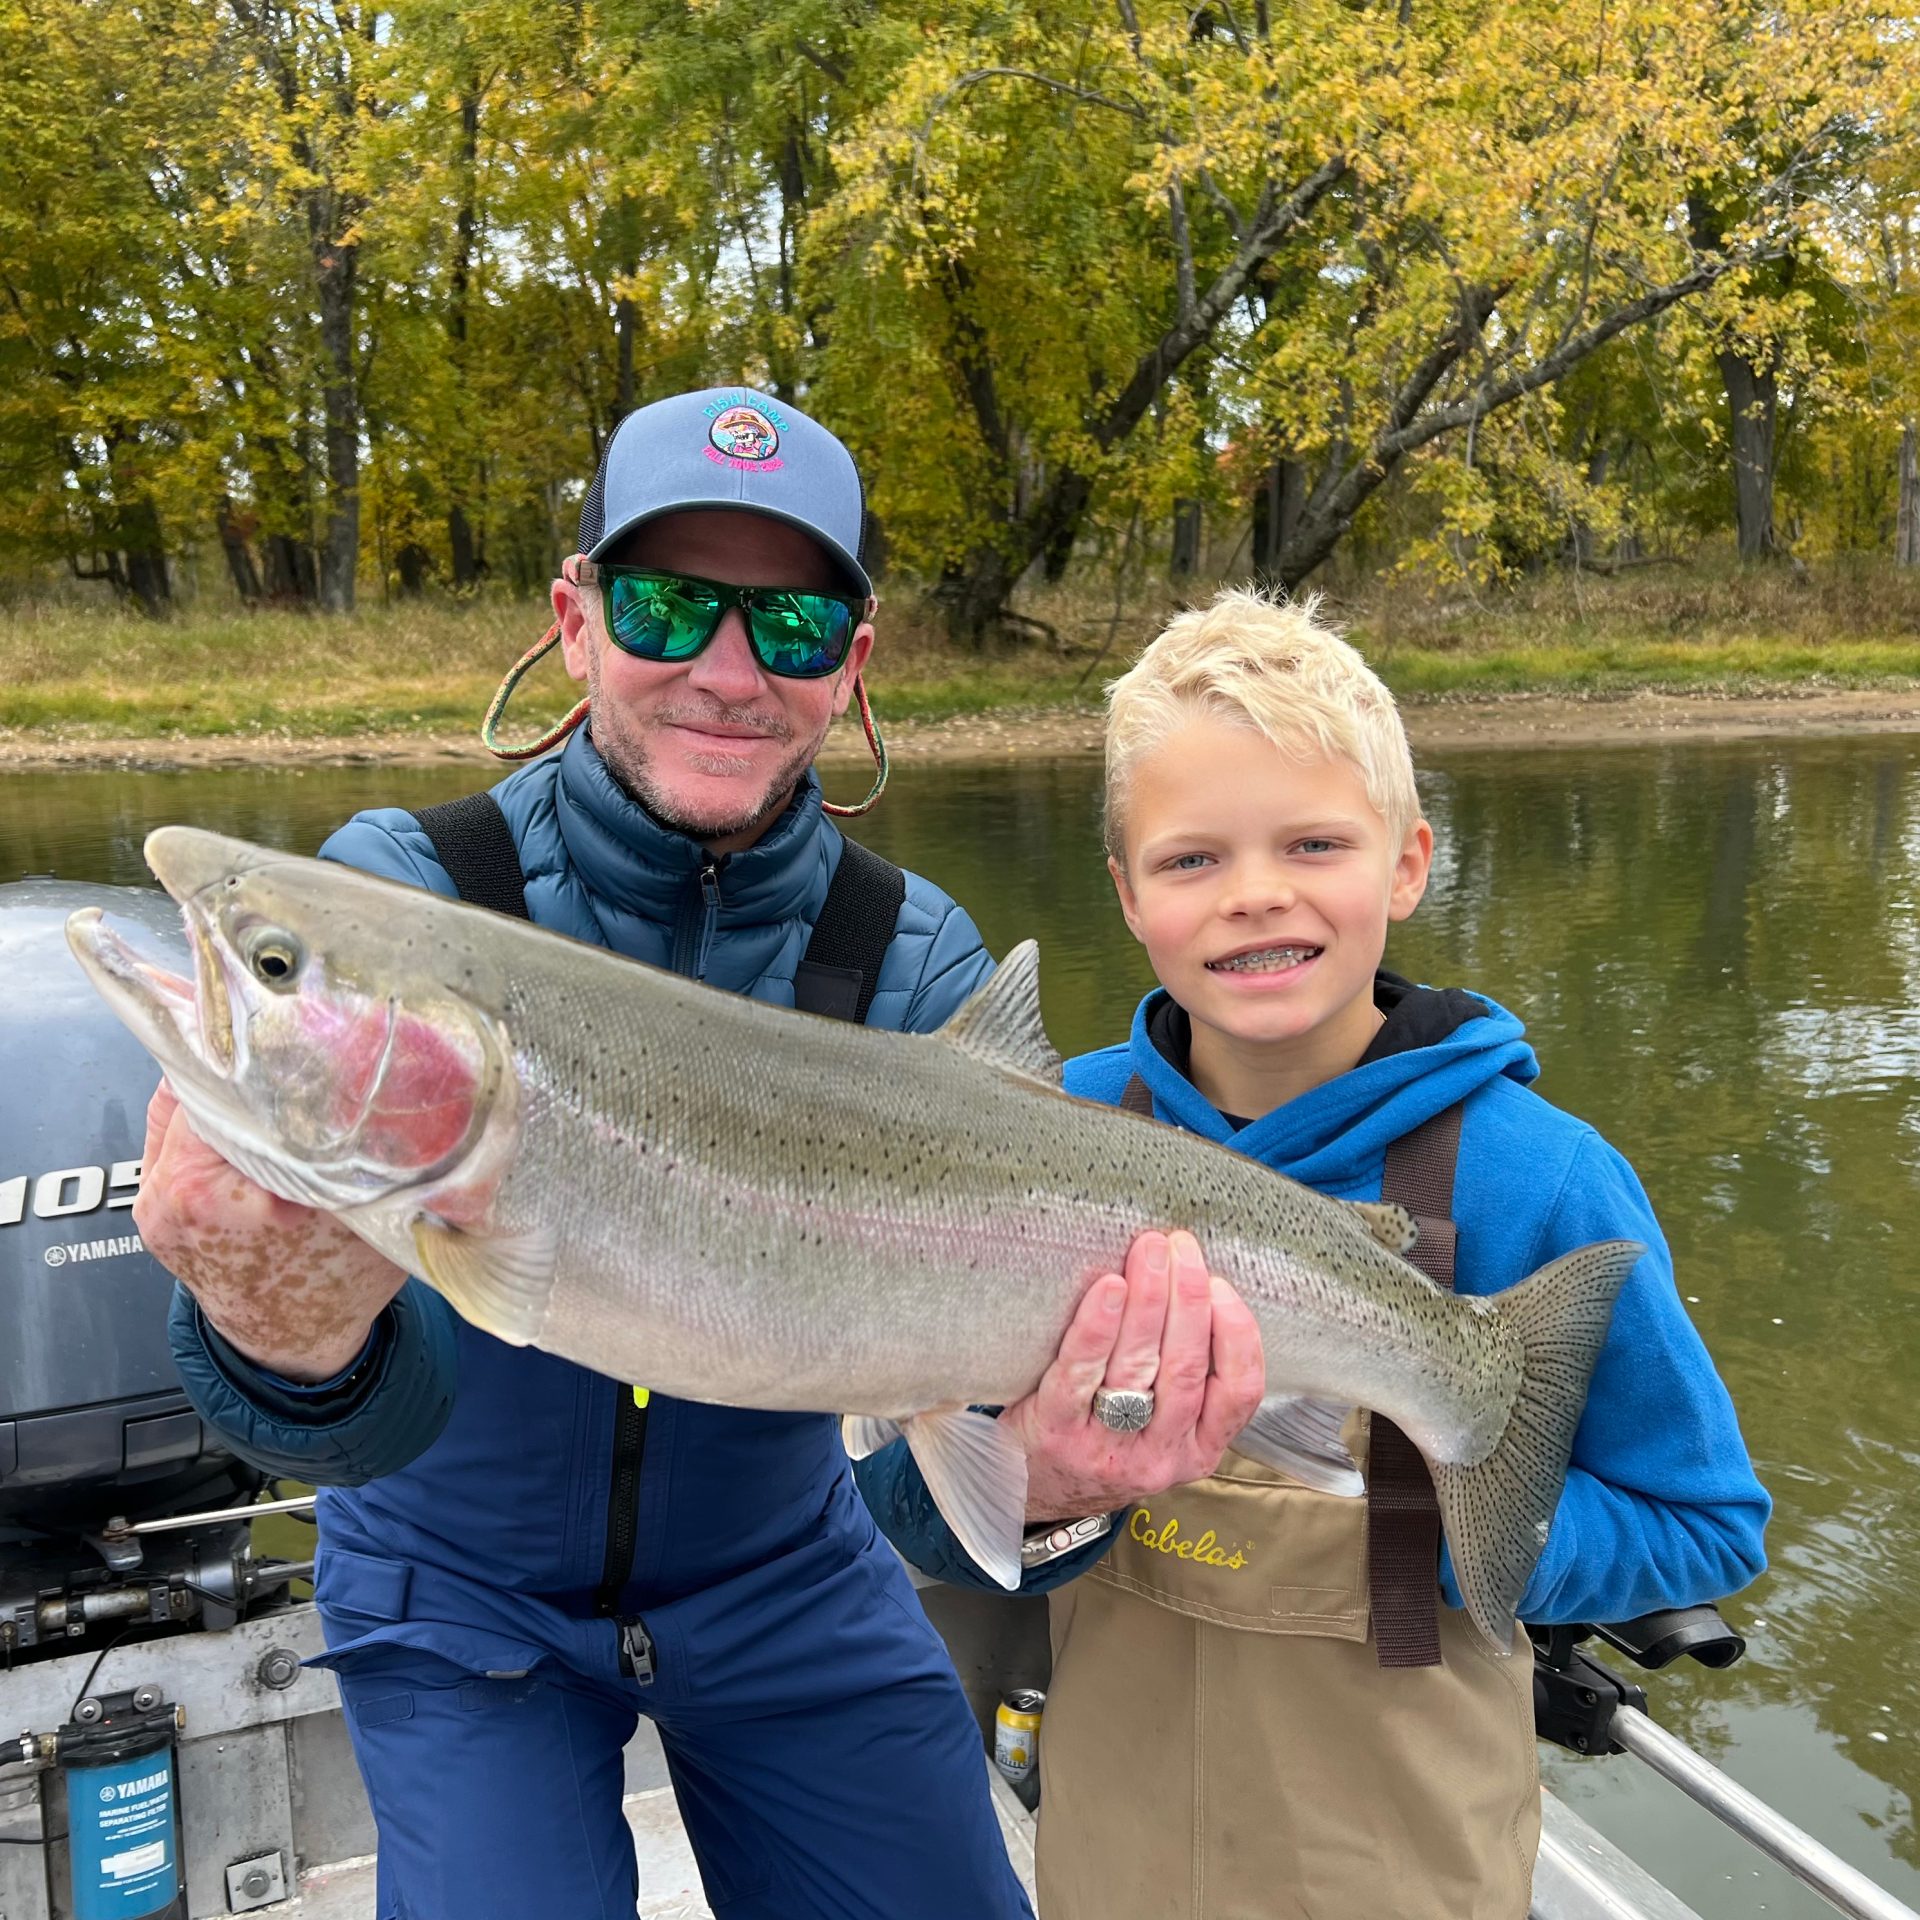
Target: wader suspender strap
{"type": "Point", "coordinates": [841, 966]}
{"type": "Point", "coordinates": [475, 845]}
{"type": "Point", "coordinates": [1403, 1517]}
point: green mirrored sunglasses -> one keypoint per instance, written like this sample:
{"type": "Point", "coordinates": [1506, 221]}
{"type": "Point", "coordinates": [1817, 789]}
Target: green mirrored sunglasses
{"type": "Point", "coordinates": [795, 635]}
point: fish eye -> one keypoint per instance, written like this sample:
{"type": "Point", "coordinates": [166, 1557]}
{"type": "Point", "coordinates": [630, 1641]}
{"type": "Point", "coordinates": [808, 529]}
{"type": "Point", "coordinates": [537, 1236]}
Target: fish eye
{"type": "Point", "coordinates": [272, 955]}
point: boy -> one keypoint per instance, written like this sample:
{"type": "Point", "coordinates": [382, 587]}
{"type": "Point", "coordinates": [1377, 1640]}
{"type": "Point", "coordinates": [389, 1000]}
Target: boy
{"type": "Point", "coordinates": [1242, 1720]}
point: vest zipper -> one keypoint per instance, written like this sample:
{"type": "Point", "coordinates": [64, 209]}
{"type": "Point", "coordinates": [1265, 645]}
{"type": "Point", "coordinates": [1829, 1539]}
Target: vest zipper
{"type": "Point", "coordinates": [623, 1526]}
{"type": "Point", "coordinates": [630, 1419]}
{"type": "Point", "coordinates": [710, 912]}
{"type": "Point", "coordinates": [693, 926]}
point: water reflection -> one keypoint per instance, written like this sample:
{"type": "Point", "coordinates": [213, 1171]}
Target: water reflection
{"type": "Point", "coordinates": [1717, 953]}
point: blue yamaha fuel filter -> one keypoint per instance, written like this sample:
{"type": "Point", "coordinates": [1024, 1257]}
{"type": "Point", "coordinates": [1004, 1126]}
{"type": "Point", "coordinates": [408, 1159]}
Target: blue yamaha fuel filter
{"type": "Point", "coordinates": [117, 1757]}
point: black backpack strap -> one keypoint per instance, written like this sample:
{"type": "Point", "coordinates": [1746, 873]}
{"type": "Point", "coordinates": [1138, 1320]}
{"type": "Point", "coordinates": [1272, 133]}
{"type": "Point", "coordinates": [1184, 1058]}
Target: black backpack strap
{"type": "Point", "coordinates": [475, 845]}
{"type": "Point", "coordinates": [1403, 1516]}
{"type": "Point", "coordinates": [841, 966]}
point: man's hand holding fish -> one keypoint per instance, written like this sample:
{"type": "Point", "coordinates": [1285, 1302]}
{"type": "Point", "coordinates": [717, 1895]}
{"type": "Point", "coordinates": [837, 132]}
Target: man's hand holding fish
{"type": "Point", "coordinates": [292, 1288]}
{"type": "Point", "coordinates": [1170, 1330]}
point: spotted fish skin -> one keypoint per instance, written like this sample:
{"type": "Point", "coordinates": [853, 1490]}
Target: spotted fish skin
{"type": "Point", "coordinates": [737, 1203]}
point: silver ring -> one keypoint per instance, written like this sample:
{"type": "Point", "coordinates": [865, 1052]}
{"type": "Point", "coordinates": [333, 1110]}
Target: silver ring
{"type": "Point", "coordinates": [1123, 1409]}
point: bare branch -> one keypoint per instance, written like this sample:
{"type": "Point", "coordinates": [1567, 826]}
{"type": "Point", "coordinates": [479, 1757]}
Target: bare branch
{"type": "Point", "coordinates": [1273, 226]}
{"type": "Point", "coordinates": [831, 68]}
{"type": "Point", "coordinates": [1228, 211]}
{"type": "Point", "coordinates": [1186, 294]}
{"type": "Point", "coordinates": [1131, 108]}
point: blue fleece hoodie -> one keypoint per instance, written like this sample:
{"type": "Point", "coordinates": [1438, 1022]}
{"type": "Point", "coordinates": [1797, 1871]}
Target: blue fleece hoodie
{"type": "Point", "coordinates": [1661, 1507]}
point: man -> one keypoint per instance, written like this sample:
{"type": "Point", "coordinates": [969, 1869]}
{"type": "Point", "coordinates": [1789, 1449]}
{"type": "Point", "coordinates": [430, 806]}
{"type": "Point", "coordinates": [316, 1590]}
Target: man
{"type": "Point", "coordinates": [518, 1556]}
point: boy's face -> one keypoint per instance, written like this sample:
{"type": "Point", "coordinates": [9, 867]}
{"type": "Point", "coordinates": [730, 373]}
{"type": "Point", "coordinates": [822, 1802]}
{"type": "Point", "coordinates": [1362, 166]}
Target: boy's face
{"type": "Point", "coordinates": [1261, 886]}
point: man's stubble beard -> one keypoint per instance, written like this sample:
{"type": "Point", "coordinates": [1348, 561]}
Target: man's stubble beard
{"type": "Point", "coordinates": [625, 750]}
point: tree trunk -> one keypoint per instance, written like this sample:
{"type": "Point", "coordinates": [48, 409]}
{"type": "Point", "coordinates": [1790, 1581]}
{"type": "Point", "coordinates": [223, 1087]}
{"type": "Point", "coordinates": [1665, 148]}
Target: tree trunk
{"type": "Point", "coordinates": [1580, 548]}
{"type": "Point", "coordinates": [334, 263]}
{"type": "Point", "coordinates": [289, 577]}
{"type": "Point", "coordinates": [233, 543]}
{"type": "Point", "coordinates": [873, 545]}
{"type": "Point", "coordinates": [145, 557]}
{"type": "Point", "coordinates": [412, 563]}
{"type": "Point", "coordinates": [463, 555]}
{"type": "Point", "coordinates": [1752, 397]}
{"type": "Point", "coordinates": [626, 311]}
{"type": "Point", "coordinates": [1276, 514]}
{"type": "Point", "coordinates": [781, 365]}
{"type": "Point", "coordinates": [625, 320]}
{"type": "Point", "coordinates": [1906, 532]}
{"type": "Point", "coordinates": [1184, 560]}
{"type": "Point", "coordinates": [1752, 400]}
{"type": "Point", "coordinates": [973, 594]}
{"type": "Point", "coordinates": [1050, 525]}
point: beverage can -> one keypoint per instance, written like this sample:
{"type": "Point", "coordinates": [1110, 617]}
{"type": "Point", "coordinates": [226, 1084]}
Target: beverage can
{"type": "Point", "coordinates": [1016, 1733]}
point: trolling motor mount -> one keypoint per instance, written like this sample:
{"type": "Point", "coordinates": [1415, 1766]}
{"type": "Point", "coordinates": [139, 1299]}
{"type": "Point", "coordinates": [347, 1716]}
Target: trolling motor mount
{"type": "Point", "coordinates": [1657, 1640]}
{"type": "Point", "coordinates": [1575, 1697]}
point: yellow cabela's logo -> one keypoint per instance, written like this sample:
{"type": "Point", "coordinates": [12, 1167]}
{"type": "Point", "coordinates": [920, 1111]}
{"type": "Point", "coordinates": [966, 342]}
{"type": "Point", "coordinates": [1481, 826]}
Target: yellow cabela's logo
{"type": "Point", "coordinates": [1206, 1551]}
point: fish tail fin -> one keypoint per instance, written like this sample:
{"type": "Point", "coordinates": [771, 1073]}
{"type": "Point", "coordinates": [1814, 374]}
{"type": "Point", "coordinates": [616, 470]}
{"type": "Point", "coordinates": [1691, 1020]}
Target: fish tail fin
{"type": "Point", "coordinates": [1497, 1510]}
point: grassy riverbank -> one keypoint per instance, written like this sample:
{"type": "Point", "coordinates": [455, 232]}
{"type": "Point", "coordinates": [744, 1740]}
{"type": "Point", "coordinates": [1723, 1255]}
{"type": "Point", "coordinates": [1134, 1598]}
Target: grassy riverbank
{"type": "Point", "coordinates": [70, 674]}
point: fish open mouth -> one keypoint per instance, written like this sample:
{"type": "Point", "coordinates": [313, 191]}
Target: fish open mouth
{"type": "Point", "coordinates": [186, 1025]}
{"type": "Point", "coordinates": [162, 1007]}
{"type": "Point", "coordinates": [1266, 959]}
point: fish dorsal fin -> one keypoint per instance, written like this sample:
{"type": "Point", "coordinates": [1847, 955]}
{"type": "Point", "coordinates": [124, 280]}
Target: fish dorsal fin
{"type": "Point", "coordinates": [1002, 1024]}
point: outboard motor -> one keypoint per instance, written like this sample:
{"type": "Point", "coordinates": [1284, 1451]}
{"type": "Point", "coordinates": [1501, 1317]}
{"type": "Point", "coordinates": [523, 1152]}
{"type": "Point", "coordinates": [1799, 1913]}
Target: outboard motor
{"type": "Point", "coordinates": [128, 1583]}
{"type": "Point", "coordinates": [96, 1435]}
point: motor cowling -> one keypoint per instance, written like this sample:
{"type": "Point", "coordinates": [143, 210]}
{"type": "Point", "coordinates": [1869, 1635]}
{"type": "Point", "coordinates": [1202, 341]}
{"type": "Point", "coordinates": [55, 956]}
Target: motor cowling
{"type": "Point", "coordinates": [93, 1420]}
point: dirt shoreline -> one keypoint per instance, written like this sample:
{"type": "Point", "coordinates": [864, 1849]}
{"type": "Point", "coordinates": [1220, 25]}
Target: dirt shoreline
{"type": "Point", "coordinates": [1517, 721]}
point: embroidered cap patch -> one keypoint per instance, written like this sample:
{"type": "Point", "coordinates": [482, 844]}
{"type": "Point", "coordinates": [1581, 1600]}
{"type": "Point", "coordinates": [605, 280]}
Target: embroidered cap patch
{"type": "Point", "coordinates": [741, 435]}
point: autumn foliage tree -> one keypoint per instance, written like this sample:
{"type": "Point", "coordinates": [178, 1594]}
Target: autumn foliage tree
{"type": "Point", "coordinates": [350, 292]}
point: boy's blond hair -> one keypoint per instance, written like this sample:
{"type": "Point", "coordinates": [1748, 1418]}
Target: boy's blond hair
{"type": "Point", "coordinates": [1273, 666]}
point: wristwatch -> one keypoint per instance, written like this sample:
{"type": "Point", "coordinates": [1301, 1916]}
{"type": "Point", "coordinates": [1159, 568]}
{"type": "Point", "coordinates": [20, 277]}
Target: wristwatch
{"type": "Point", "coordinates": [1055, 1537]}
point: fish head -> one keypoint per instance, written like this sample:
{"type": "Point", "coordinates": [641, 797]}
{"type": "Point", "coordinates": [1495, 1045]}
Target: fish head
{"type": "Point", "coordinates": [319, 1046]}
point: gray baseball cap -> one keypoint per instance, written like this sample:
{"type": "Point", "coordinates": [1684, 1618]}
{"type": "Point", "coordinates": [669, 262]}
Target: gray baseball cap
{"type": "Point", "coordinates": [727, 447]}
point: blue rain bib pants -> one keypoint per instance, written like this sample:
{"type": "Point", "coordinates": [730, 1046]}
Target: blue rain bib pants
{"type": "Point", "coordinates": [489, 1516]}
{"type": "Point", "coordinates": [823, 1757]}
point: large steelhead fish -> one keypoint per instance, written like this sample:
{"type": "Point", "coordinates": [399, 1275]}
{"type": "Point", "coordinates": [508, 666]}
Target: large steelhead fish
{"type": "Point", "coordinates": [731, 1202]}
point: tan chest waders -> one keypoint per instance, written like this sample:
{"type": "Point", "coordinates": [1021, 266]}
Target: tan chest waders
{"type": "Point", "coordinates": [1260, 1709]}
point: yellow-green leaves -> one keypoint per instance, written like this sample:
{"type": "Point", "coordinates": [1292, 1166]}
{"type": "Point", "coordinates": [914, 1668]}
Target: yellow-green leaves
{"type": "Point", "coordinates": [370, 288]}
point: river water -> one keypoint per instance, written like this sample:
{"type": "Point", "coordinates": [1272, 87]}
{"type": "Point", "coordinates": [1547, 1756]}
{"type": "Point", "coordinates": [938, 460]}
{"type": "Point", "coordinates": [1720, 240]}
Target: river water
{"type": "Point", "coordinates": [1716, 950]}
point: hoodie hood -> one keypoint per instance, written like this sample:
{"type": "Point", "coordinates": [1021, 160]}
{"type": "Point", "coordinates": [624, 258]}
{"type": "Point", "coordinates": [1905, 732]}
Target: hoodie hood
{"type": "Point", "coordinates": [1336, 1135]}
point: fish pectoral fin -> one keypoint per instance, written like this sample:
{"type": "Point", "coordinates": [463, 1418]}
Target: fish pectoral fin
{"type": "Point", "coordinates": [1301, 1438]}
{"type": "Point", "coordinates": [1392, 1225]}
{"type": "Point", "coordinates": [1002, 1023]}
{"type": "Point", "coordinates": [500, 1284]}
{"type": "Point", "coordinates": [865, 1433]}
{"type": "Point", "coordinates": [976, 1472]}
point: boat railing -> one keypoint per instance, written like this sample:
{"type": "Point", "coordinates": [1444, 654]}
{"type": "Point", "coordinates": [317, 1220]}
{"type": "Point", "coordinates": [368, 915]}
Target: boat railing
{"type": "Point", "coordinates": [1585, 1706]}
